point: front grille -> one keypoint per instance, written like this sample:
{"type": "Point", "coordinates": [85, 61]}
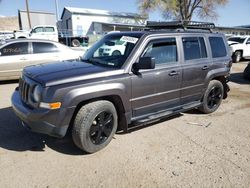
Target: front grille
{"type": "Point", "coordinates": [24, 89]}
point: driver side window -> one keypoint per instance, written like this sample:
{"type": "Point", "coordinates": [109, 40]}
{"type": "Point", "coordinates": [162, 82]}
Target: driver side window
{"type": "Point", "coordinates": [163, 51]}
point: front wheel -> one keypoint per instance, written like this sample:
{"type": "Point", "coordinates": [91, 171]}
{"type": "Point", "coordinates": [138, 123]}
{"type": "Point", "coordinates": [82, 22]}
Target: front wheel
{"type": "Point", "coordinates": [94, 126]}
{"type": "Point", "coordinates": [212, 97]}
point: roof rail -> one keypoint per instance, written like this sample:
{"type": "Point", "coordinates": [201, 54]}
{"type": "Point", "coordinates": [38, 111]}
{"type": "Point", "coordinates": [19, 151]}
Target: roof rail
{"type": "Point", "coordinates": [152, 25]}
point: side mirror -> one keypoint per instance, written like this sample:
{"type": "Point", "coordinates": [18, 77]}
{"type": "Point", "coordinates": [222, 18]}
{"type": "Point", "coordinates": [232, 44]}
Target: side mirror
{"type": "Point", "coordinates": [145, 63]}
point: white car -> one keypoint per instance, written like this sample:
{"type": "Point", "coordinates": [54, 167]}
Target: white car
{"type": "Point", "coordinates": [114, 48]}
{"type": "Point", "coordinates": [16, 54]}
{"type": "Point", "coordinates": [240, 47]}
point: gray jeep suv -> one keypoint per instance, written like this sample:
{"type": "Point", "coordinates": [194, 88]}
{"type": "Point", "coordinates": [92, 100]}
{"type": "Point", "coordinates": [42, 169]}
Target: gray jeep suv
{"type": "Point", "coordinates": [163, 70]}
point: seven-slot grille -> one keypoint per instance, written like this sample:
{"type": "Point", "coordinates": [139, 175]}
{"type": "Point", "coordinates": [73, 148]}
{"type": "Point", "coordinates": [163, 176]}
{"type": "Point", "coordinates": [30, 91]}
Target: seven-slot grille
{"type": "Point", "coordinates": [24, 89]}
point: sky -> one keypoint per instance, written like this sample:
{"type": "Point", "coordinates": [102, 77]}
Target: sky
{"type": "Point", "coordinates": [235, 13]}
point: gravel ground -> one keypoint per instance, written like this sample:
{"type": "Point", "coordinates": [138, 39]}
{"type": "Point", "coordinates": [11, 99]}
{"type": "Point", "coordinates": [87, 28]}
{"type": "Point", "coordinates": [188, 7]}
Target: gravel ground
{"type": "Point", "coordinates": [187, 150]}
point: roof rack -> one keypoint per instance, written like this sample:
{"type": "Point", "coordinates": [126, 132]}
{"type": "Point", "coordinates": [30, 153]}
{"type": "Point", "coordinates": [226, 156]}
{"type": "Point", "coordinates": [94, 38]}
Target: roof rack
{"type": "Point", "coordinates": [152, 25]}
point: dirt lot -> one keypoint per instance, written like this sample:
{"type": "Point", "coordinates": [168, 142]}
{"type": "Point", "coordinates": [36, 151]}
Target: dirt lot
{"type": "Point", "coordinates": [188, 150]}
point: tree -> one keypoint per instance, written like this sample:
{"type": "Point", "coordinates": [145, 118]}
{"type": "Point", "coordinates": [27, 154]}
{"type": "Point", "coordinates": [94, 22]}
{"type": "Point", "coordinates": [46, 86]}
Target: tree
{"type": "Point", "coordinates": [182, 9]}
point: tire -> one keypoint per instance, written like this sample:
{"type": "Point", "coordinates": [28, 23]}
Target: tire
{"type": "Point", "coordinates": [116, 52]}
{"type": "Point", "coordinates": [212, 97]}
{"type": "Point", "coordinates": [94, 126]}
{"type": "Point", "coordinates": [75, 43]}
{"type": "Point", "coordinates": [237, 56]}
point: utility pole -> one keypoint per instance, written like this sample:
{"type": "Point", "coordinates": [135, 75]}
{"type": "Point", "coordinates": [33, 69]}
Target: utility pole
{"type": "Point", "coordinates": [28, 13]}
{"type": "Point", "coordinates": [57, 16]}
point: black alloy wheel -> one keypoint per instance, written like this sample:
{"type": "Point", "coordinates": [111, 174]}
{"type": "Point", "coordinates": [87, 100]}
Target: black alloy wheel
{"type": "Point", "coordinates": [101, 128]}
{"type": "Point", "coordinates": [214, 97]}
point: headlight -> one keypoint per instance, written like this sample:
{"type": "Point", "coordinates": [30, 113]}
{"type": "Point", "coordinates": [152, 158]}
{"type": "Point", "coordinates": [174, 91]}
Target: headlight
{"type": "Point", "coordinates": [36, 95]}
{"type": "Point", "coordinates": [107, 49]}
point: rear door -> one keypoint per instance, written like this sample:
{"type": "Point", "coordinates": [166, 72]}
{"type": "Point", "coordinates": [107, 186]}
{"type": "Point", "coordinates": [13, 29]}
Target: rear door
{"type": "Point", "coordinates": [44, 52]}
{"type": "Point", "coordinates": [196, 65]}
{"type": "Point", "coordinates": [157, 89]}
{"type": "Point", "coordinates": [13, 58]}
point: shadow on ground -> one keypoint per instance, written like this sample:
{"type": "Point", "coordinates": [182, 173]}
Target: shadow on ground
{"type": "Point", "coordinates": [13, 136]}
{"type": "Point", "coordinates": [238, 78]}
{"type": "Point", "coordinates": [8, 82]}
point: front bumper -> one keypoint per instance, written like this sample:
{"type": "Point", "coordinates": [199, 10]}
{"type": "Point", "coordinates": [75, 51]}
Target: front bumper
{"type": "Point", "coordinates": [38, 120]}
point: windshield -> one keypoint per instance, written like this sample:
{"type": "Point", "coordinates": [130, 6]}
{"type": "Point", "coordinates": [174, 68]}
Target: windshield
{"type": "Point", "coordinates": [237, 39]}
{"type": "Point", "coordinates": [112, 50]}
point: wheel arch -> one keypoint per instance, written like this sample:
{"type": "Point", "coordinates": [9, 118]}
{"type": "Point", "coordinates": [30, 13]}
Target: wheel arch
{"type": "Point", "coordinates": [115, 100]}
{"type": "Point", "coordinates": [224, 81]}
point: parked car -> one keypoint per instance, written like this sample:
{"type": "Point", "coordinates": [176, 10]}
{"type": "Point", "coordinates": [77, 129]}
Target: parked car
{"type": "Point", "coordinates": [240, 47]}
{"type": "Point", "coordinates": [113, 48]}
{"type": "Point", "coordinates": [16, 54]}
{"type": "Point", "coordinates": [5, 35]}
{"type": "Point", "coordinates": [247, 72]}
{"type": "Point", "coordinates": [161, 72]}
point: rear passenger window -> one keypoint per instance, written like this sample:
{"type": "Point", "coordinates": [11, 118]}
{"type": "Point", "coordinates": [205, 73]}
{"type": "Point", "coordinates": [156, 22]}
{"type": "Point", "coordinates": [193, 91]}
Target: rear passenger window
{"type": "Point", "coordinates": [194, 48]}
{"type": "Point", "coordinates": [43, 47]}
{"type": "Point", "coordinates": [218, 47]}
{"type": "Point", "coordinates": [49, 29]}
{"type": "Point", "coordinates": [164, 51]}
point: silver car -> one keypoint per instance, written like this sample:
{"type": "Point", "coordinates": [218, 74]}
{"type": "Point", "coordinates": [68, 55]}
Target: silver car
{"type": "Point", "coordinates": [17, 54]}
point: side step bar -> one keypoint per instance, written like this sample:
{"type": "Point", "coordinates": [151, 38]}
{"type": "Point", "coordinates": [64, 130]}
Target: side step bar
{"type": "Point", "coordinates": [163, 114]}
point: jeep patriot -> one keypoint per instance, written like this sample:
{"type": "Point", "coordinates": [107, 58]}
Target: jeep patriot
{"type": "Point", "coordinates": [167, 68]}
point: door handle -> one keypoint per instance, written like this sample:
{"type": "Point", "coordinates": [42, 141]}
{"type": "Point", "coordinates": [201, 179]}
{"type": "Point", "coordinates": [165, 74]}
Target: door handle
{"type": "Point", "coordinates": [205, 67]}
{"type": "Point", "coordinates": [23, 58]}
{"type": "Point", "coordinates": [173, 73]}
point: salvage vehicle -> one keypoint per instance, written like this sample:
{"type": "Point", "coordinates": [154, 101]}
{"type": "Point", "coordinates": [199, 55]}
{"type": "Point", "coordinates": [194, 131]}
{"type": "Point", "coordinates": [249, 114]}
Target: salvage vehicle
{"type": "Point", "coordinates": [17, 54]}
{"type": "Point", "coordinates": [168, 68]}
{"type": "Point", "coordinates": [240, 47]}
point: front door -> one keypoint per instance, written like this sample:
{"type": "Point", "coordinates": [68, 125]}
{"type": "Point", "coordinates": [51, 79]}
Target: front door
{"type": "Point", "coordinates": [157, 89]}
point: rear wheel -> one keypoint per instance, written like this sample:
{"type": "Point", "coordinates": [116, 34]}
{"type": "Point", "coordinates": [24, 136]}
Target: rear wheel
{"type": "Point", "coordinates": [237, 56]}
{"type": "Point", "coordinates": [75, 43]}
{"type": "Point", "coordinates": [212, 97]}
{"type": "Point", "coordinates": [94, 126]}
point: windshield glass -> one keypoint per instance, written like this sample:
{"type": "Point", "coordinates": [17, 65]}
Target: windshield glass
{"type": "Point", "coordinates": [112, 50]}
{"type": "Point", "coordinates": [237, 39]}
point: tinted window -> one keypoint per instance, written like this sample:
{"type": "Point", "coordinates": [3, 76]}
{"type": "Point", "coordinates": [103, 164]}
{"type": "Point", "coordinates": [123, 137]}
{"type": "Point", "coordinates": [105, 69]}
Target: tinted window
{"type": "Point", "coordinates": [43, 47]}
{"type": "Point", "coordinates": [15, 49]}
{"type": "Point", "coordinates": [218, 47]}
{"type": "Point", "coordinates": [194, 48]}
{"type": "Point", "coordinates": [49, 29]}
{"type": "Point", "coordinates": [164, 51]}
{"type": "Point", "coordinates": [237, 39]}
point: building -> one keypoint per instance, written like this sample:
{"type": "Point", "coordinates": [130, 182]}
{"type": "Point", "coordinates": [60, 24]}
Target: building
{"type": "Point", "coordinates": [36, 18]}
{"type": "Point", "coordinates": [228, 31]}
{"type": "Point", "coordinates": [81, 21]}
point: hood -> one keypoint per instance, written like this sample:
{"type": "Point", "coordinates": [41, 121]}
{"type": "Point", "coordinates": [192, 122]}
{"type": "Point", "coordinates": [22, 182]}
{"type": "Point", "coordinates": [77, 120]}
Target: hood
{"type": "Point", "coordinates": [61, 72]}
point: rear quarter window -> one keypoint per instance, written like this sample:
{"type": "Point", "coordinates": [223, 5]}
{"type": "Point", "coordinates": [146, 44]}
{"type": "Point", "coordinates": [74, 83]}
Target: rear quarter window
{"type": "Point", "coordinates": [218, 47]}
